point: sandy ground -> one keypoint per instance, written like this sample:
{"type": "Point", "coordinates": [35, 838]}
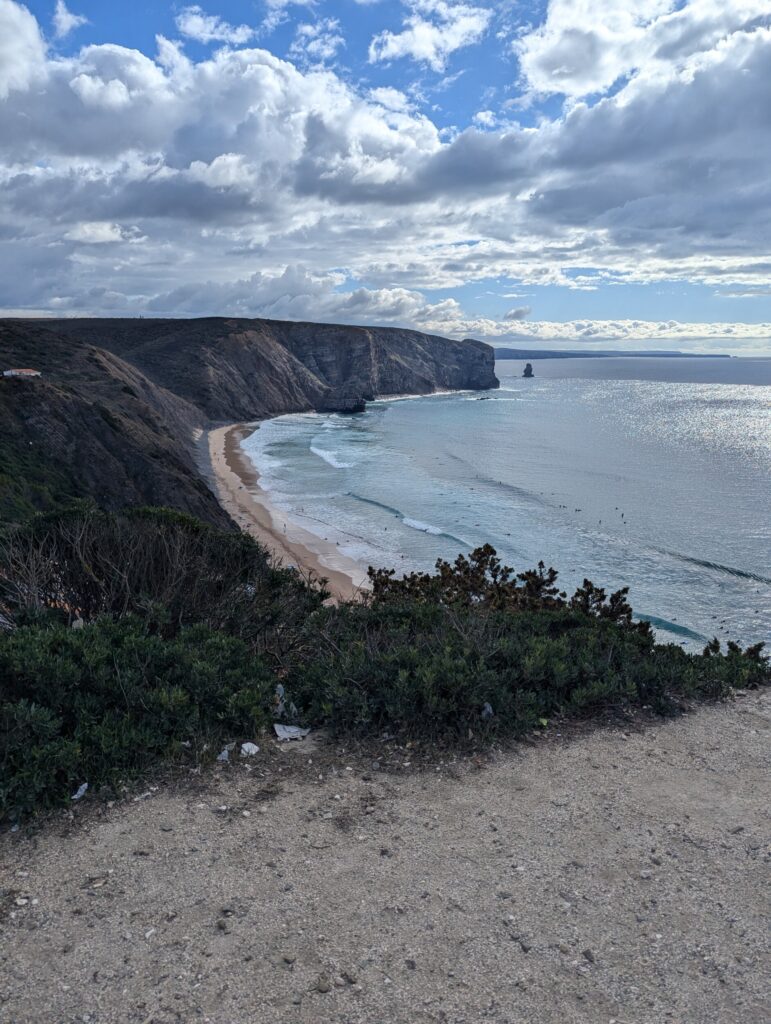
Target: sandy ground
{"type": "Point", "coordinates": [602, 878]}
{"type": "Point", "coordinates": [236, 484]}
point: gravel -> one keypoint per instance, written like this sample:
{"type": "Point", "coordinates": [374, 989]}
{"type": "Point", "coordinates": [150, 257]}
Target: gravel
{"type": "Point", "coordinates": [593, 878]}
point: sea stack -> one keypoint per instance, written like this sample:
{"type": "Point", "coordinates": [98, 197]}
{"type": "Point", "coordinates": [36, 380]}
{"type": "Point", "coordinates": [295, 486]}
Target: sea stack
{"type": "Point", "coordinates": [528, 370]}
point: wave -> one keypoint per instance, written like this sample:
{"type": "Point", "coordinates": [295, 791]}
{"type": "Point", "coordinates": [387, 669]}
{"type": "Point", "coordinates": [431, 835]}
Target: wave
{"type": "Point", "coordinates": [416, 524]}
{"type": "Point", "coordinates": [672, 627]}
{"type": "Point", "coordinates": [704, 563]}
{"type": "Point", "coordinates": [413, 524]}
{"type": "Point", "coordinates": [331, 458]}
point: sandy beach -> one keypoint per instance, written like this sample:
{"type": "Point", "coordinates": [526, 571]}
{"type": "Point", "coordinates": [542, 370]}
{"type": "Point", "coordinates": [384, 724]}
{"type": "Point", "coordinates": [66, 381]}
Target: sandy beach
{"type": "Point", "coordinates": [236, 483]}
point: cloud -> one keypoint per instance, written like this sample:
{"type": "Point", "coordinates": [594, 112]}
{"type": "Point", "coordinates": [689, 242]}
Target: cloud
{"type": "Point", "coordinates": [65, 21]}
{"type": "Point", "coordinates": [277, 11]}
{"type": "Point", "coordinates": [433, 31]}
{"type": "Point", "coordinates": [265, 186]}
{"type": "Point", "coordinates": [584, 47]}
{"type": "Point", "coordinates": [518, 313]}
{"type": "Point", "coordinates": [649, 333]}
{"type": "Point", "coordinates": [317, 43]}
{"type": "Point", "coordinates": [208, 28]}
{"type": "Point", "coordinates": [22, 50]}
{"type": "Point", "coordinates": [94, 233]}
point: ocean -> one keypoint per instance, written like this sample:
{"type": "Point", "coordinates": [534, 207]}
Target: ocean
{"type": "Point", "coordinates": [650, 473]}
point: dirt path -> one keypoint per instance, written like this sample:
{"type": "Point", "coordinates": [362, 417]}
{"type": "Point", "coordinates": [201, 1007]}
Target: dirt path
{"type": "Point", "coordinates": [605, 878]}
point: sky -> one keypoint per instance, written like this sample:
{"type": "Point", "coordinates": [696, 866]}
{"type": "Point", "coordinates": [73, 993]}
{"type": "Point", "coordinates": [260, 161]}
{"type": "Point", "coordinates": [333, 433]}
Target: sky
{"type": "Point", "coordinates": [564, 173]}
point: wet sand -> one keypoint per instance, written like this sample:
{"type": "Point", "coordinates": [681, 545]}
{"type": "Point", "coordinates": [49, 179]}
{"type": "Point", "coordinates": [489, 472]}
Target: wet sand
{"type": "Point", "coordinates": [236, 483]}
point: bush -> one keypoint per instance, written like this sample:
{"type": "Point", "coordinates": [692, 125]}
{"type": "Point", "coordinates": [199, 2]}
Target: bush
{"type": "Point", "coordinates": [103, 703]}
{"type": "Point", "coordinates": [464, 674]}
{"type": "Point", "coordinates": [162, 565]}
{"type": "Point", "coordinates": [189, 627]}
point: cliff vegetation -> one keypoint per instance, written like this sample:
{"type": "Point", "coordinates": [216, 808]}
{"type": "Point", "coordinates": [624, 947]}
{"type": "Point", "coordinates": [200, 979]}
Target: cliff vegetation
{"type": "Point", "coordinates": [146, 637]}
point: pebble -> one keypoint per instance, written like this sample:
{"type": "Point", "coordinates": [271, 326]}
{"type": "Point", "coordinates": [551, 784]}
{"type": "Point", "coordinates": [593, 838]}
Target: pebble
{"type": "Point", "coordinates": [588, 955]}
{"type": "Point", "coordinates": [645, 875]}
{"type": "Point", "coordinates": [323, 984]}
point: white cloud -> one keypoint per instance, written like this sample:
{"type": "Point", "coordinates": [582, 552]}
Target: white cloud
{"type": "Point", "coordinates": [240, 171]}
{"type": "Point", "coordinates": [318, 42]}
{"type": "Point", "coordinates": [433, 30]}
{"type": "Point", "coordinates": [194, 23]}
{"type": "Point", "coordinates": [485, 118]}
{"type": "Point", "coordinates": [65, 21]}
{"type": "Point", "coordinates": [391, 99]}
{"type": "Point", "coordinates": [277, 11]}
{"type": "Point", "coordinates": [95, 233]}
{"type": "Point", "coordinates": [584, 47]}
{"type": "Point", "coordinates": [648, 333]}
{"type": "Point", "coordinates": [22, 50]}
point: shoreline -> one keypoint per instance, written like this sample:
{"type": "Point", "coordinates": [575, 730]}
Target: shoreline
{"type": "Point", "coordinates": [235, 481]}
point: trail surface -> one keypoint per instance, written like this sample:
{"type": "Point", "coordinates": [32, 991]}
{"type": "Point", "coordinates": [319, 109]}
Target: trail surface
{"type": "Point", "coordinates": [597, 879]}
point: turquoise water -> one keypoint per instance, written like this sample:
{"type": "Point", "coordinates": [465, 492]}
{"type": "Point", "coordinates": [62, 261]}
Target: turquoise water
{"type": "Point", "coordinates": [662, 485]}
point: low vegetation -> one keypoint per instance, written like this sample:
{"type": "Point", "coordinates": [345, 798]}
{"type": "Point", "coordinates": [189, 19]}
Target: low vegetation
{"type": "Point", "coordinates": [184, 633]}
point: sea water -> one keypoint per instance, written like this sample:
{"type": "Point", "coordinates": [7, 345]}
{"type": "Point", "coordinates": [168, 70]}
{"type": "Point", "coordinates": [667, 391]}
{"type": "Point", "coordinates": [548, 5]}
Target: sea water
{"type": "Point", "coordinates": [649, 473]}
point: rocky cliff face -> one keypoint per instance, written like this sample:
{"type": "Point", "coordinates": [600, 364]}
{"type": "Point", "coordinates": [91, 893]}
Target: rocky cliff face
{"type": "Point", "coordinates": [246, 369]}
{"type": "Point", "coordinates": [114, 414]}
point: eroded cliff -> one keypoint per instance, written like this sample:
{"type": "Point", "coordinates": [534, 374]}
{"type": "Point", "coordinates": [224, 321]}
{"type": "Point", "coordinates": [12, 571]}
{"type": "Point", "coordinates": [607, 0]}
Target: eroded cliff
{"type": "Point", "coordinates": [114, 415]}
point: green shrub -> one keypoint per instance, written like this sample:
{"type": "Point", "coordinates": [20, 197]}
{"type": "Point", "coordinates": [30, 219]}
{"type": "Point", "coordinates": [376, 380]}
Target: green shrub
{"type": "Point", "coordinates": [188, 628]}
{"type": "Point", "coordinates": [103, 703]}
{"type": "Point", "coordinates": [433, 672]}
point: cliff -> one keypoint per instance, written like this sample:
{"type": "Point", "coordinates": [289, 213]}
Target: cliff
{"type": "Point", "coordinates": [115, 412]}
{"type": "Point", "coordinates": [235, 369]}
{"type": "Point", "coordinates": [92, 426]}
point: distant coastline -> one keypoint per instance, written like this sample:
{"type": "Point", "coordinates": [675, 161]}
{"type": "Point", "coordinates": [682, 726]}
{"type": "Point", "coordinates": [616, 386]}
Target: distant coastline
{"type": "Point", "coordinates": [504, 352]}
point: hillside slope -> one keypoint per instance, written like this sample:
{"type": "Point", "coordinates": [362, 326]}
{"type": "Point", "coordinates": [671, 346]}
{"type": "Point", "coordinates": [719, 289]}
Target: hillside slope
{"type": "Point", "coordinates": [114, 414]}
{"type": "Point", "coordinates": [235, 369]}
{"type": "Point", "coordinates": [91, 426]}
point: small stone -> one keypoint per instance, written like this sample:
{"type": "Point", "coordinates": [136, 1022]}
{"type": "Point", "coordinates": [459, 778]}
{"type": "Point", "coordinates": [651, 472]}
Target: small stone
{"type": "Point", "coordinates": [524, 945]}
{"type": "Point", "coordinates": [289, 958]}
{"type": "Point", "coordinates": [410, 964]}
{"type": "Point", "coordinates": [588, 955]}
{"type": "Point", "coordinates": [657, 861]}
{"type": "Point", "coordinates": [222, 925]}
{"type": "Point", "coordinates": [564, 948]}
{"type": "Point", "coordinates": [323, 984]}
{"type": "Point", "coordinates": [645, 875]}
{"type": "Point", "coordinates": [339, 981]}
